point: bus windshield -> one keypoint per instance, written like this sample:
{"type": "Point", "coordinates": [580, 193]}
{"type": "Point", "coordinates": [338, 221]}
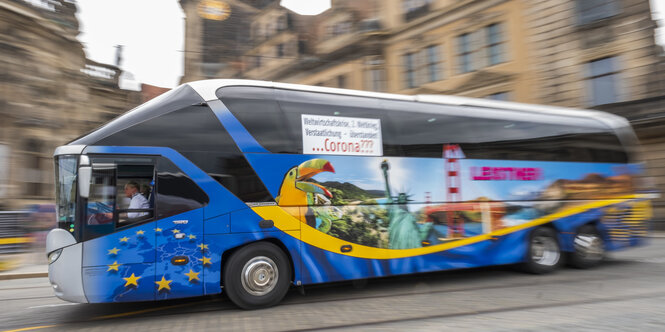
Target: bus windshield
{"type": "Point", "coordinates": [65, 193]}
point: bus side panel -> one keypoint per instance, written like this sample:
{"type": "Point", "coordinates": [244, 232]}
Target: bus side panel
{"type": "Point", "coordinates": [130, 283]}
{"type": "Point", "coordinates": [120, 267]}
{"type": "Point", "coordinates": [128, 246]}
{"type": "Point", "coordinates": [321, 266]}
{"type": "Point", "coordinates": [247, 221]}
{"type": "Point", "coordinates": [621, 225]}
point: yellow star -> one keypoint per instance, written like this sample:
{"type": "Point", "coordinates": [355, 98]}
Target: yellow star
{"type": "Point", "coordinates": [158, 229]}
{"type": "Point", "coordinates": [141, 232]}
{"type": "Point", "coordinates": [175, 231]}
{"type": "Point", "coordinates": [206, 260]}
{"type": "Point", "coordinates": [124, 239]}
{"type": "Point", "coordinates": [193, 275]}
{"type": "Point", "coordinates": [163, 284]}
{"type": "Point", "coordinates": [192, 237]}
{"type": "Point", "coordinates": [203, 246]}
{"type": "Point", "coordinates": [113, 251]}
{"type": "Point", "coordinates": [114, 267]}
{"type": "Point", "coordinates": [132, 280]}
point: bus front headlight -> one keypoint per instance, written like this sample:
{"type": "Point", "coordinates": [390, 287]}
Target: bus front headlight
{"type": "Point", "coordinates": [53, 255]}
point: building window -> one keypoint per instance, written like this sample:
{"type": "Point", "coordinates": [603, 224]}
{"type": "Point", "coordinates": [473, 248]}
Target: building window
{"type": "Point", "coordinates": [375, 75]}
{"type": "Point", "coordinates": [494, 44]}
{"type": "Point", "coordinates": [481, 48]}
{"type": "Point", "coordinates": [280, 50]}
{"type": "Point", "coordinates": [415, 8]}
{"type": "Point", "coordinates": [603, 81]}
{"type": "Point", "coordinates": [464, 53]}
{"type": "Point", "coordinates": [376, 80]}
{"type": "Point", "coordinates": [339, 28]}
{"type": "Point", "coordinates": [423, 66]}
{"type": "Point", "coordinates": [270, 29]}
{"type": "Point", "coordinates": [433, 63]}
{"type": "Point", "coordinates": [341, 81]}
{"type": "Point", "coordinates": [504, 96]}
{"type": "Point", "coordinates": [593, 10]}
{"type": "Point", "coordinates": [282, 23]}
{"type": "Point", "coordinates": [409, 71]}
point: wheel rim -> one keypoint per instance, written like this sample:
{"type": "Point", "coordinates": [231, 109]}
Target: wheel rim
{"type": "Point", "coordinates": [545, 251]}
{"type": "Point", "coordinates": [589, 246]}
{"type": "Point", "coordinates": [259, 276]}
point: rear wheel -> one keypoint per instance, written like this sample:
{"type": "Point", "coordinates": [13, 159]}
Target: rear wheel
{"type": "Point", "coordinates": [544, 252]}
{"type": "Point", "coordinates": [589, 248]}
{"type": "Point", "coordinates": [257, 276]}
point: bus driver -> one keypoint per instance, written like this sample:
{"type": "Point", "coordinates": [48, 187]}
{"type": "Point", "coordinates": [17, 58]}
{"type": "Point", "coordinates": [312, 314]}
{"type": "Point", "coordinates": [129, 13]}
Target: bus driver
{"type": "Point", "coordinates": [138, 200]}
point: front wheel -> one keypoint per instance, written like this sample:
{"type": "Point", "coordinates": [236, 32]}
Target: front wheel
{"type": "Point", "coordinates": [544, 252]}
{"type": "Point", "coordinates": [589, 248]}
{"type": "Point", "coordinates": [257, 276]}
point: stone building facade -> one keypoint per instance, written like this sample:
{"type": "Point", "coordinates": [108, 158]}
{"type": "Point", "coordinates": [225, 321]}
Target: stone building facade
{"type": "Point", "coordinates": [49, 95]}
{"type": "Point", "coordinates": [572, 53]}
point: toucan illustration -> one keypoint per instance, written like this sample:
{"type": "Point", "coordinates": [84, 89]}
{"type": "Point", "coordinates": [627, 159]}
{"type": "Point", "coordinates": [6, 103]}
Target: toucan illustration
{"type": "Point", "coordinates": [295, 191]}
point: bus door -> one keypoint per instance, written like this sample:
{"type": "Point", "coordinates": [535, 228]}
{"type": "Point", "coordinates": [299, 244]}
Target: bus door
{"type": "Point", "coordinates": [118, 252]}
{"type": "Point", "coordinates": [181, 253]}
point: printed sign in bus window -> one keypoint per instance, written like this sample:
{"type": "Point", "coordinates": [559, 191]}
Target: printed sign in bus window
{"type": "Point", "coordinates": [341, 135]}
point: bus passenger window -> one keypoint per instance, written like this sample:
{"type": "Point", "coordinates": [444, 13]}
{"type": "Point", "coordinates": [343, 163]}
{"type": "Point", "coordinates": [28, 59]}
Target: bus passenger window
{"type": "Point", "coordinates": [176, 192]}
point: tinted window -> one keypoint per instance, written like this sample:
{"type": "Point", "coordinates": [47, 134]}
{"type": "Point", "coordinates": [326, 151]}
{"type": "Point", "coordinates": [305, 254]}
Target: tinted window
{"type": "Point", "coordinates": [277, 125]}
{"type": "Point", "coordinates": [175, 191]}
{"type": "Point", "coordinates": [175, 99]}
{"type": "Point", "coordinates": [296, 103]}
{"type": "Point", "coordinates": [423, 130]}
{"type": "Point", "coordinates": [197, 134]}
{"type": "Point", "coordinates": [258, 111]}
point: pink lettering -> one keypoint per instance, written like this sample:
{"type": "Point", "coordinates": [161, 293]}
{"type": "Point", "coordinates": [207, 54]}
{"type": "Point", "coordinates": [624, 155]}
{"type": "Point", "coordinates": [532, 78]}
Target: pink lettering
{"type": "Point", "coordinates": [486, 173]}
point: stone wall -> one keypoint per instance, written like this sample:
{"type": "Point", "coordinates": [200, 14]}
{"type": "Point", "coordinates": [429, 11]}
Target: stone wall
{"type": "Point", "coordinates": [46, 97]}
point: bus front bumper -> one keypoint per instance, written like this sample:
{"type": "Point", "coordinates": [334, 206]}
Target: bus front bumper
{"type": "Point", "coordinates": [64, 271]}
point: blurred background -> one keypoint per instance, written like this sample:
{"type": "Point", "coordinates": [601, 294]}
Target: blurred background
{"type": "Point", "coordinates": [68, 66]}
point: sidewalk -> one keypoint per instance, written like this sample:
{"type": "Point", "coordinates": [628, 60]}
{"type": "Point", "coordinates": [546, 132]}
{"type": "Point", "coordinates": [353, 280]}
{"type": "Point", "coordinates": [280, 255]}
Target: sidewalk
{"type": "Point", "coordinates": [34, 265]}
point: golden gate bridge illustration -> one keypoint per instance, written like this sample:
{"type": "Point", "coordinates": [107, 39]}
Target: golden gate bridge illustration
{"type": "Point", "coordinates": [451, 212]}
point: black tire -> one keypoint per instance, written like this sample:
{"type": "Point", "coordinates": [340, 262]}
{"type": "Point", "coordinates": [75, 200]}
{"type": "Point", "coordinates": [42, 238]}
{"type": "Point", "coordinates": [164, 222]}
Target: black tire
{"type": "Point", "coordinates": [543, 253]}
{"type": "Point", "coordinates": [257, 276]}
{"type": "Point", "coordinates": [589, 248]}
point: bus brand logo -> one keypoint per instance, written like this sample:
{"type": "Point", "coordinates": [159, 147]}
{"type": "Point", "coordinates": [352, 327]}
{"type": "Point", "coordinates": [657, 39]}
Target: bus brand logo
{"type": "Point", "coordinates": [258, 204]}
{"type": "Point", "coordinates": [180, 222]}
{"type": "Point", "coordinates": [506, 173]}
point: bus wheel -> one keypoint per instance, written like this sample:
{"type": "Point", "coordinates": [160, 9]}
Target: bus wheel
{"type": "Point", "coordinates": [544, 253]}
{"type": "Point", "coordinates": [257, 276]}
{"type": "Point", "coordinates": [589, 248]}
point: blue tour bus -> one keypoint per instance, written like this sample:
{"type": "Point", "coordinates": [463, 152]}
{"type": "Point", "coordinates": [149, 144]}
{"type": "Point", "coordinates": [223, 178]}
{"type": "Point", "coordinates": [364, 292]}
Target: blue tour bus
{"type": "Point", "coordinates": [250, 187]}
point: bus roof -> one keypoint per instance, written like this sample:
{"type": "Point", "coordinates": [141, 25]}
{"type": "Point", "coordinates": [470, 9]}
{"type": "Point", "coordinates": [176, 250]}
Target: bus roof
{"type": "Point", "coordinates": [207, 89]}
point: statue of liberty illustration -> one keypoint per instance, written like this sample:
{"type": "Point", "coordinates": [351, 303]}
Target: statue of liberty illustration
{"type": "Point", "coordinates": [404, 231]}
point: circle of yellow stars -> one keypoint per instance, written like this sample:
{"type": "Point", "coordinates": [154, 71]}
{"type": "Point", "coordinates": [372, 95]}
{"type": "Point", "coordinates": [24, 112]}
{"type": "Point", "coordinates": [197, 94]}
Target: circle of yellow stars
{"type": "Point", "coordinates": [163, 284]}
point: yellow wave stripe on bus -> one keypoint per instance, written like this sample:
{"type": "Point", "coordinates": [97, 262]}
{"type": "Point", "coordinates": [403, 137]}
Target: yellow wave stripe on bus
{"type": "Point", "coordinates": [15, 240]}
{"type": "Point", "coordinates": [313, 237]}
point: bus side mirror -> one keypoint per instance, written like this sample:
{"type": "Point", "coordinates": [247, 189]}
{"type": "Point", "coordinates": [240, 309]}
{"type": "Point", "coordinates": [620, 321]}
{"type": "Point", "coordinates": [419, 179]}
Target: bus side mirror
{"type": "Point", "coordinates": [85, 174]}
